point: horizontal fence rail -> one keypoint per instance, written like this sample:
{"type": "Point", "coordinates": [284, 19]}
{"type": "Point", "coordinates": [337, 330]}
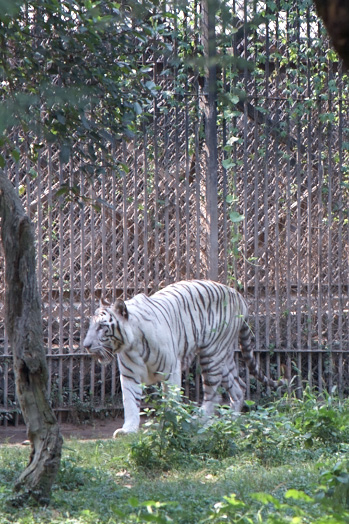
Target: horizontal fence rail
{"type": "Point", "coordinates": [283, 198]}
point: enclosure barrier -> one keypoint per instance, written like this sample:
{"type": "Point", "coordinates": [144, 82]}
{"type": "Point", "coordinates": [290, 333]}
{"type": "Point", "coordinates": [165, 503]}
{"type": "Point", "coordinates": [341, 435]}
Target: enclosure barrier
{"type": "Point", "coordinates": [283, 193]}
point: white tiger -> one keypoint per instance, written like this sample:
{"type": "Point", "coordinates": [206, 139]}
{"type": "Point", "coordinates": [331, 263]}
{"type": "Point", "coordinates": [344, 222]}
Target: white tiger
{"type": "Point", "coordinates": [153, 337]}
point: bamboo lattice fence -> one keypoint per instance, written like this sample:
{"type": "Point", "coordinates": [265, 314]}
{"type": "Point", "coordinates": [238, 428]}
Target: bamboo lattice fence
{"type": "Point", "coordinates": [283, 193]}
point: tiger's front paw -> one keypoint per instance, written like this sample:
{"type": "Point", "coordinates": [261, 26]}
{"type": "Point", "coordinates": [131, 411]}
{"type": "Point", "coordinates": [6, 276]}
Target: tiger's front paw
{"type": "Point", "coordinates": [124, 431]}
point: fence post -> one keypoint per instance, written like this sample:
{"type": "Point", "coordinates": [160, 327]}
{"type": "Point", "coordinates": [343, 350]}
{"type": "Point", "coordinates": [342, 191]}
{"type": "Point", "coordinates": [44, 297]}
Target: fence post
{"type": "Point", "coordinates": [209, 8]}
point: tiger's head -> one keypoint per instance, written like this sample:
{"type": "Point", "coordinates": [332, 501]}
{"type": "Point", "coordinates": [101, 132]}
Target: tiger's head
{"type": "Point", "coordinates": [109, 332]}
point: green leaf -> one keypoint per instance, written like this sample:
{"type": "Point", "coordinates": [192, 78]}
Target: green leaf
{"type": "Point", "coordinates": [64, 153]}
{"type": "Point", "coordinates": [33, 172]}
{"type": "Point", "coordinates": [234, 99]}
{"type": "Point", "coordinates": [63, 190]}
{"type": "Point", "coordinates": [235, 217]}
{"type": "Point", "coordinates": [15, 154]}
{"type": "Point", "coordinates": [153, 88]}
{"type": "Point", "coordinates": [61, 118]}
{"type": "Point", "coordinates": [298, 495]}
{"type": "Point", "coordinates": [343, 478]}
{"type": "Point", "coordinates": [227, 163]}
{"type": "Point", "coordinates": [233, 501]}
{"type": "Point", "coordinates": [230, 199]}
{"type": "Point", "coordinates": [137, 108]}
{"type": "Point", "coordinates": [133, 501]}
{"type": "Point", "coordinates": [9, 8]}
{"type": "Point", "coordinates": [266, 498]}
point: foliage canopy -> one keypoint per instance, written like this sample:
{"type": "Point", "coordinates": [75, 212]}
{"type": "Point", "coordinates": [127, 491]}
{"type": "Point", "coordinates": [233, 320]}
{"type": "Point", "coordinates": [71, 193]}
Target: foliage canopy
{"type": "Point", "coordinates": [76, 73]}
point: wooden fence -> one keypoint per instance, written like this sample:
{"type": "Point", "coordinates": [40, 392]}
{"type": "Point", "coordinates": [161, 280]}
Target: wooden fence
{"type": "Point", "coordinates": [283, 193]}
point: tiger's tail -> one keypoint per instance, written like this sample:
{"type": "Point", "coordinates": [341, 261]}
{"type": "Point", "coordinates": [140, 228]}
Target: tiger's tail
{"type": "Point", "coordinates": [247, 354]}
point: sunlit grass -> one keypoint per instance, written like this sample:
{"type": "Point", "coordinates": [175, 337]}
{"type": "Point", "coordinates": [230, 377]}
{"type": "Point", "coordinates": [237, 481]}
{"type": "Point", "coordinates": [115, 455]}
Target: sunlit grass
{"type": "Point", "coordinates": [100, 481]}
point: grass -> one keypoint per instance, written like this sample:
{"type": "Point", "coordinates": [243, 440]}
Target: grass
{"type": "Point", "coordinates": [293, 454]}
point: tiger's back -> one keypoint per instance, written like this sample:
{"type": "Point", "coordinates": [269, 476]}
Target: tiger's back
{"type": "Point", "coordinates": [190, 317]}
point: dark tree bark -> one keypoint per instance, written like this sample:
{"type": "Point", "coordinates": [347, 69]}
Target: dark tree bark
{"type": "Point", "coordinates": [24, 329]}
{"type": "Point", "coordinates": [335, 14]}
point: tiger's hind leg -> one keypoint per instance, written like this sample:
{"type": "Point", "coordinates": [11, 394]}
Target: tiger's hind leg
{"type": "Point", "coordinates": [235, 387]}
{"type": "Point", "coordinates": [174, 380]}
{"type": "Point", "coordinates": [211, 381]}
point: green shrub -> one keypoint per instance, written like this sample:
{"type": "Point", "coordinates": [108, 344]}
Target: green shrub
{"type": "Point", "coordinates": [335, 484]}
{"type": "Point", "coordinates": [303, 476]}
{"type": "Point", "coordinates": [167, 439]}
{"type": "Point", "coordinates": [296, 508]}
{"type": "Point", "coordinates": [219, 437]}
{"type": "Point", "coordinates": [284, 431]}
{"type": "Point", "coordinates": [322, 420]}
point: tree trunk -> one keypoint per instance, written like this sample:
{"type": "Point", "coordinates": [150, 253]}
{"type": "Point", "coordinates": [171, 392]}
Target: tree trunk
{"type": "Point", "coordinates": [335, 14]}
{"type": "Point", "coordinates": [24, 329]}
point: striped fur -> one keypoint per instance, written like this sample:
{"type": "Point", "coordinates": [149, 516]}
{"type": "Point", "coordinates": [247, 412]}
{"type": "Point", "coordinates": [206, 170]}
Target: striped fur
{"type": "Point", "coordinates": [155, 337]}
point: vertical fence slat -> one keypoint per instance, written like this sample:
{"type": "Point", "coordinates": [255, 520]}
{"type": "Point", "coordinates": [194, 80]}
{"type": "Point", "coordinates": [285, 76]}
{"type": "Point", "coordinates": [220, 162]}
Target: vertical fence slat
{"type": "Point", "coordinates": [50, 269]}
{"type": "Point", "coordinates": [309, 171]}
{"type": "Point", "coordinates": [320, 286]}
{"type": "Point", "coordinates": [125, 246]}
{"type": "Point", "coordinates": [187, 230]}
{"type": "Point", "coordinates": [289, 254]}
{"type": "Point", "coordinates": [299, 178]}
{"type": "Point", "coordinates": [177, 189]}
{"type": "Point", "coordinates": [93, 273]}
{"type": "Point", "coordinates": [83, 309]}
{"type": "Point", "coordinates": [115, 252]}
{"type": "Point", "coordinates": [197, 184]}
{"type": "Point", "coordinates": [71, 398]}
{"type": "Point", "coordinates": [135, 214]}
{"type": "Point", "coordinates": [145, 214]}
{"type": "Point", "coordinates": [341, 288]}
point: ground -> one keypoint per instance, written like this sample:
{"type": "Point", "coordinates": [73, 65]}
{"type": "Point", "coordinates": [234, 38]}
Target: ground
{"type": "Point", "coordinates": [97, 429]}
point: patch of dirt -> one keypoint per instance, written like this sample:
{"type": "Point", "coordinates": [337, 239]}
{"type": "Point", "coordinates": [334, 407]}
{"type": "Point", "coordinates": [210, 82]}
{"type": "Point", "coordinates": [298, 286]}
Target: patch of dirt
{"type": "Point", "coordinates": [95, 430]}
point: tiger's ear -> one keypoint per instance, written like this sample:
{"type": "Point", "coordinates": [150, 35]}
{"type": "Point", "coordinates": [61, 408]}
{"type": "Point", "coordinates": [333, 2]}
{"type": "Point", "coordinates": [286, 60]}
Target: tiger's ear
{"type": "Point", "coordinates": [120, 309]}
{"type": "Point", "coordinates": [103, 303]}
